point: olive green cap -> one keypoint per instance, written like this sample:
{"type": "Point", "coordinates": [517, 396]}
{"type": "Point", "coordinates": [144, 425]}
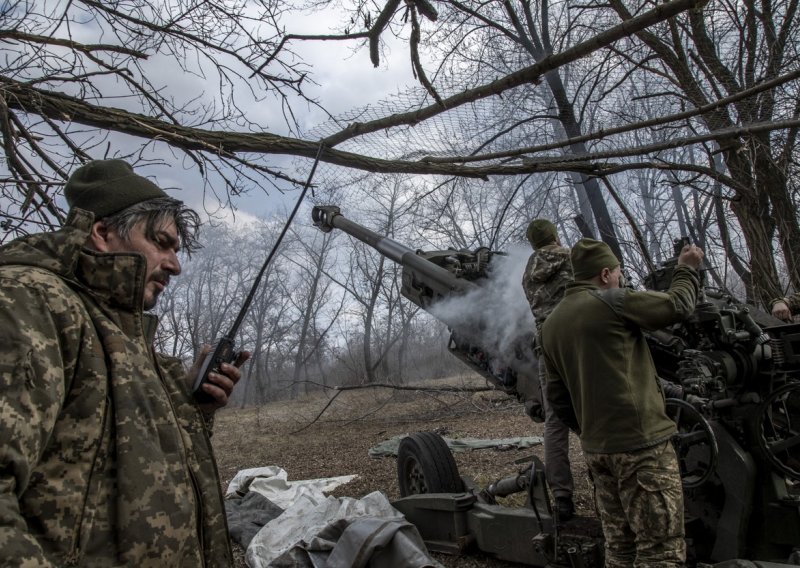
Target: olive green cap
{"type": "Point", "coordinates": [589, 257]}
{"type": "Point", "coordinates": [541, 232]}
{"type": "Point", "coordinates": [105, 187]}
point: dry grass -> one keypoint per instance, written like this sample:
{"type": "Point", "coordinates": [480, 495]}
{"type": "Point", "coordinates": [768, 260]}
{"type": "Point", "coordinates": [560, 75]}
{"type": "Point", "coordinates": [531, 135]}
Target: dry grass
{"type": "Point", "coordinates": [286, 434]}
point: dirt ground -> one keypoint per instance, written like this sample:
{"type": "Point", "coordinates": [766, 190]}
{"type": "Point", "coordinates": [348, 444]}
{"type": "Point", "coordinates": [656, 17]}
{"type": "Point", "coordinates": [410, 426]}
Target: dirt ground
{"type": "Point", "coordinates": [294, 436]}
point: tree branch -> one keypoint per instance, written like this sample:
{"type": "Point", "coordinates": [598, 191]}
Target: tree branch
{"type": "Point", "coordinates": [531, 74]}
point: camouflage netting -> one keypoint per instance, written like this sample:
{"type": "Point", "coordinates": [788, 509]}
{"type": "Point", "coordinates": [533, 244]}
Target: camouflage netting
{"type": "Point", "coordinates": [495, 135]}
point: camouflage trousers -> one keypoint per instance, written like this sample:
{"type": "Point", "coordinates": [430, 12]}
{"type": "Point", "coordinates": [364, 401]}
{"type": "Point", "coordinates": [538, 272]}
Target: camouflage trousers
{"type": "Point", "coordinates": [640, 500]}
{"type": "Point", "coordinates": [556, 447]}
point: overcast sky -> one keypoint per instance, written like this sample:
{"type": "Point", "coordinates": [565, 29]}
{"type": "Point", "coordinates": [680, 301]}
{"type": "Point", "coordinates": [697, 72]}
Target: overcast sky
{"type": "Point", "coordinates": [345, 79]}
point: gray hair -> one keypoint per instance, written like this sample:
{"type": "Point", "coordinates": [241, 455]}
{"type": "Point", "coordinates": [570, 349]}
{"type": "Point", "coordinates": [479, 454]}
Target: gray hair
{"type": "Point", "coordinates": [154, 213]}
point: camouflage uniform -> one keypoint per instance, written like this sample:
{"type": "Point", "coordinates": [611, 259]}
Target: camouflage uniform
{"type": "Point", "coordinates": [546, 276]}
{"type": "Point", "coordinates": [640, 493]}
{"type": "Point", "coordinates": [792, 301]}
{"type": "Point", "coordinates": [602, 381]}
{"type": "Point", "coordinates": [105, 458]}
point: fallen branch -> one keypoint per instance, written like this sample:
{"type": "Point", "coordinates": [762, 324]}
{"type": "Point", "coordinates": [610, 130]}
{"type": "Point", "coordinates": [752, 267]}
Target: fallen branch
{"type": "Point", "coordinates": [402, 387]}
{"type": "Point", "coordinates": [318, 416]}
{"type": "Point", "coordinates": [340, 389]}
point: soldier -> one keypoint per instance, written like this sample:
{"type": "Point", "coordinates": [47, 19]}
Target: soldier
{"type": "Point", "coordinates": [546, 276]}
{"type": "Point", "coordinates": [602, 382]}
{"type": "Point", "coordinates": [105, 456]}
{"type": "Point", "coordinates": [785, 308]}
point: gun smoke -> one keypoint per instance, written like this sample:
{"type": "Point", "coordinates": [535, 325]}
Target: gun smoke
{"type": "Point", "coordinates": [494, 317]}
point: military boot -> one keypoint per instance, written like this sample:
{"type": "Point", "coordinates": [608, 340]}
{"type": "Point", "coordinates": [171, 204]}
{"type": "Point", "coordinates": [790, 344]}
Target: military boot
{"type": "Point", "coordinates": [565, 508]}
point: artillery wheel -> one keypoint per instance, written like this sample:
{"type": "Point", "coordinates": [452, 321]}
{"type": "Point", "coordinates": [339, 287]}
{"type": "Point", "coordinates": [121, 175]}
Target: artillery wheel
{"type": "Point", "coordinates": [425, 465]}
{"type": "Point", "coordinates": [695, 443]}
{"type": "Point", "coordinates": [778, 429]}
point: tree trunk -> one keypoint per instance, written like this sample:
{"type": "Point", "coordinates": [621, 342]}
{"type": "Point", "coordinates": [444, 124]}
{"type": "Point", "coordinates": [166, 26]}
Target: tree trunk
{"type": "Point", "coordinates": [369, 317]}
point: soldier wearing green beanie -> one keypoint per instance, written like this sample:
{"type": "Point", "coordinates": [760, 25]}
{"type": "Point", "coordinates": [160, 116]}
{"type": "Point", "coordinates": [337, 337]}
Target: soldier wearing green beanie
{"type": "Point", "coordinates": [105, 187]}
{"type": "Point", "coordinates": [602, 382]}
{"type": "Point", "coordinates": [589, 257]}
{"type": "Point", "coordinates": [106, 456]}
{"type": "Point", "coordinates": [545, 278]}
{"type": "Point", "coordinates": [541, 232]}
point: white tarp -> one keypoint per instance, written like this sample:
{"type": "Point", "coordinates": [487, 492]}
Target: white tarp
{"type": "Point", "coordinates": [318, 531]}
{"type": "Point", "coordinates": [273, 483]}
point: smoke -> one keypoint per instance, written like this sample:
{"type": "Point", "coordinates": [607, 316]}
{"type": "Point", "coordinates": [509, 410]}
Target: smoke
{"type": "Point", "coordinates": [496, 315]}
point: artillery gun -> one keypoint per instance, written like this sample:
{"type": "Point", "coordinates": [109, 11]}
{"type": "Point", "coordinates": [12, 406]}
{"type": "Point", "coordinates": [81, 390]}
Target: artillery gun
{"type": "Point", "coordinates": [739, 447]}
{"type": "Point", "coordinates": [431, 277]}
{"type": "Point", "coordinates": [742, 475]}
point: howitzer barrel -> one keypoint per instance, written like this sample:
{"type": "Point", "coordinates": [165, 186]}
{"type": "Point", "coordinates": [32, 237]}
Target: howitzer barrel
{"type": "Point", "coordinates": [432, 276]}
{"type": "Point", "coordinates": [441, 281]}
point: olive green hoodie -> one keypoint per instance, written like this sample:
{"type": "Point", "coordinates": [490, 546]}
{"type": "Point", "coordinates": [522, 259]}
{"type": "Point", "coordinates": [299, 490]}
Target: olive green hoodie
{"type": "Point", "coordinates": [601, 377]}
{"type": "Point", "coordinates": [104, 457]}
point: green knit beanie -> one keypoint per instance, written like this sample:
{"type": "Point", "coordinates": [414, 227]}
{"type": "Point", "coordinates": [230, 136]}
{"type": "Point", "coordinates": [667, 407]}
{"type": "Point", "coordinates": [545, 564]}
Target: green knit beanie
{"type": "Point", "coordinates": [105, 187]}
{"type": "Point", "coordinates": [541, 232]}
{"type": "Point", "coordinates": [589, 257]}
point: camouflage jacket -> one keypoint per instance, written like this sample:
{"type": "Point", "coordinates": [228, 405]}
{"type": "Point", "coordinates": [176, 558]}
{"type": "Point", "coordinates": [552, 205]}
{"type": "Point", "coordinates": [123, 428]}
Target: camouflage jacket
{"type": "Point", "coordinates": [792, 301]}
{"type": "Point", "coordinates": [546, 276]}
{"type": "Point", "coordinates": [104, 458]}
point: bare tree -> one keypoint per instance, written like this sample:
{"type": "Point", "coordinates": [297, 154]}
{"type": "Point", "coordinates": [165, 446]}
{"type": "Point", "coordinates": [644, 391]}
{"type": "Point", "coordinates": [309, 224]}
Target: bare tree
{"type": "Point", "coordinates": [518, 27]}
{"type": "Point", "coordinates": [66, 60]}
{"type": "Point", "coordinates": [723, 78]}
{"type": "Point", "coordinates": [81, 69]}
{"type": "Point", "coordinates": [200, 304]}
{"type": "Point", "coordinates": [720, 50]}
{"type": "Point", "coordinates": [310, 295]}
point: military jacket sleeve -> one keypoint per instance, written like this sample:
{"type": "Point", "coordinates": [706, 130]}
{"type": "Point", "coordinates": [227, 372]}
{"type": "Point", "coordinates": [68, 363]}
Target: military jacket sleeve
{"type": "Point", "coordinates": [655, 310]}
{"type": "Point", "coordinates": [792, 301]}
{"type": "Point", "coordinates": [32, 385]}
{"type": "Point", "coordinates": [175, 370]}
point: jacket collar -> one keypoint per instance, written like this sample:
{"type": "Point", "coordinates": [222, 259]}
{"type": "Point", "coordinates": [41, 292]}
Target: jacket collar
{"type": "Point", "coordinates": [579, 286]}
{"type": "Point", "coordinates": [116, 279]}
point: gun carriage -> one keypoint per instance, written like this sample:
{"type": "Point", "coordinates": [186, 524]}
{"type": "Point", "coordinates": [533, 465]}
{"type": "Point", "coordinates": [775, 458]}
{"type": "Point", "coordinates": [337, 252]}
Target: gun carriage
{"type": "Point", "coordinates": [738, 443]}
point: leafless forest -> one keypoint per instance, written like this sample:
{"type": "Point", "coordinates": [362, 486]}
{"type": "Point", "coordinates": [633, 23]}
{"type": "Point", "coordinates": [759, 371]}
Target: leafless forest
{"type": "Point", "coordinates": [637, 121]}
{"type": "Point", "coordinates": [634, 121]}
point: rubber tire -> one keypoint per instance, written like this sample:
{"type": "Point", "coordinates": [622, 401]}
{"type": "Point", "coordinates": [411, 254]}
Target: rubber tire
{"type": "Point", "coordinates": [426, 465]}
